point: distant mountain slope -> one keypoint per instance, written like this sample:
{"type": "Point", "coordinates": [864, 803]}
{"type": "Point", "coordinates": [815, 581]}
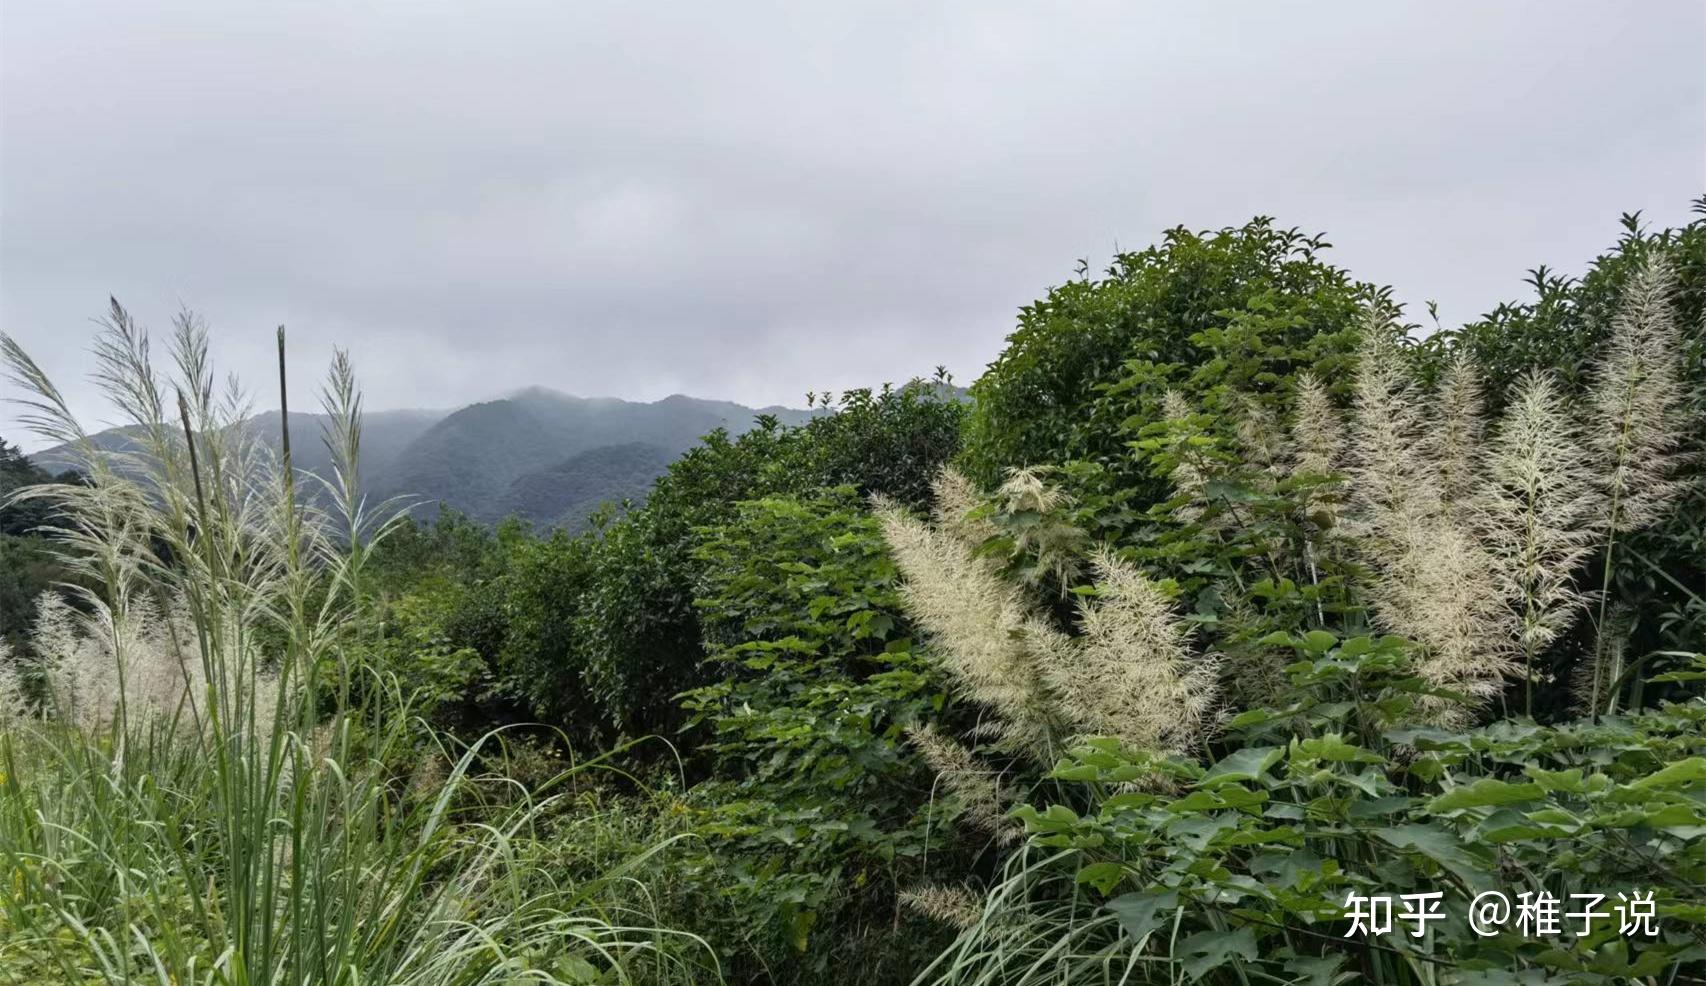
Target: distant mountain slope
{"type": "Point", "coordinates": [546, 456]}
{"type": "Point", "coordinates": [565, 494]}
{"type": "Point", "coordinates": [470, 459]}
{"type": "Point", "coordinates": [383, 435]}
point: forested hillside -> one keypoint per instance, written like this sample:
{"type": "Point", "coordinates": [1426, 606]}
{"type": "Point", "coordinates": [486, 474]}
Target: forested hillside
{"type": "Point", "coordinates": [548, 458]}
{"type": "Point", "coordinates": [1227, 600]}
{"type": "Point", "coordinates": [478, 455]}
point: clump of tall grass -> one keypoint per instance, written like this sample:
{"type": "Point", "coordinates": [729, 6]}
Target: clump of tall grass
{"type": "Point", "coordinates": [210, 790]}
{"type": "Point", "coordinates": [1479, 530]}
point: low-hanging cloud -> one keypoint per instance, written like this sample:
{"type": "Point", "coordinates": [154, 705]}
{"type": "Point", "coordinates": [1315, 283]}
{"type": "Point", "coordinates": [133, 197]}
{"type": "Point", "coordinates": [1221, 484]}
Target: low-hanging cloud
{"type": "Point", "coordinates": [750, 201]}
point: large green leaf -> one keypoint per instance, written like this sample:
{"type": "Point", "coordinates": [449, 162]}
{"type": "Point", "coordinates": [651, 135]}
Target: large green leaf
{"type": "Point", "coordinates": [1443, 847]}
{"type": "Point", "coordinates": [1206, 951]}
{"type": "Point", "coordinates": [1244, 764]}
{"type": "Point", "coordinates": [1486, 792]}
{"type": "Point", "coordinates": [1142, 912]}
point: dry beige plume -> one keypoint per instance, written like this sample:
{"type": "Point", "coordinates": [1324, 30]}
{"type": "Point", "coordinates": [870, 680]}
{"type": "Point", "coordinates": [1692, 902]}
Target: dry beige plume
{"type": "Point", "coordinates": [1435, 581]}
{"type": "Point", "coordinates": [1131, 673]}
{"type": "Point", "coordinates": [1188, 477]}
{"type": "Point", "coordinates": [1053, 542]}
{"type": "Point", "coordinates": [1263, 440]}
{"type": "Point", "coordinates": [972, 783]}
{"type": "Point", "coordinates": [1454, 436]}
{"type": "Point", "coordinates": [1541, 507]}
{"type": "Point", "coordinates": [956, 906]}
{"type": "Point", "coordinates": [1639, 400]}
{"type": "Point", "coordinates": [977, 619]}
{"type": "Point", "coordinates": [14, 700]}
{"type": "Point", "coordinates": [959, 507]}
{"type": "Point", "coordinates": [1442, 592]}
{"type": "Point", "coordinates": [1393, 483]}
{"type": "Point", "coordinates": [144, 665]}
{"type": "Point", "coordinates": [1317, 434]}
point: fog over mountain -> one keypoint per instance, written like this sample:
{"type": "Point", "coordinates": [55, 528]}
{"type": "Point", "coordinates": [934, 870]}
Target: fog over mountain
{"type": "Point", "coordinates": [547, 457]}
{"type": "Point", "coordinates": [749, 200]}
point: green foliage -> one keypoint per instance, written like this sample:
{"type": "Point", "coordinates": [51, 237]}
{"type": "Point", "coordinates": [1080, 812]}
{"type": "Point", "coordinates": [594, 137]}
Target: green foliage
{"type": "Point", "coordinates": [1242, 870]}
{"type": "Point", "coordinates": [569, 493]}
{"type": "Point", "coordinates": [543, 589]}
{"type": "Point", "coordinates": [1566, 321]}
{"type": "Point", "coordinates": [817, 814]}
{"type": "Point", "coordinates": [27, 565]}
{"type": "Point", "coordinates": [630, 638]}
{"type": "Point", "coordinates": [1238, 309]}
{"type": "Point", "coordinates": [828, 813]}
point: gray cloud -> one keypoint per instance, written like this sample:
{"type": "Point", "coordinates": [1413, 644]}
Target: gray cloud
{"type": "Point", "coordinates": [752, 201]}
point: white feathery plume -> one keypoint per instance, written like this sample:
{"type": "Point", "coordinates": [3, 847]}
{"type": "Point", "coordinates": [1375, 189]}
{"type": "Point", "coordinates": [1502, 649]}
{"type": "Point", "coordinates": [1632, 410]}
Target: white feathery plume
{"type": "Point", "coordinates": [14, 699]}
{"type": "Point", "coordinates": [956, 906]}
{"type": "Point", "coordinates": [979, 621]}
{"type": "Point", "coordinates": [1435, 582]}
{"type": "Point", "coordinates": [1132, 673]}
{"type": "Point", "coordinates": [1394, 485]}
{"type": "Point", "coordinates": [1442, 592]}
{"type": "Point", "coordinates": [1261, 437]}
{"type": "Point", "coordinates": [972, 783]}
{"type": "Point", "coordinates": [1540, 506]}
{"type": "Point", "coordinates": [1054, 543]}
{"type": "Point", "coordinates": [1187, 475]}
{"type": "Point", "coordinates": [1639, 400]}
{"type": "Point", "coordinates": [1317, 435]}
{"type": "Point", "coordinates": [1455, 434]}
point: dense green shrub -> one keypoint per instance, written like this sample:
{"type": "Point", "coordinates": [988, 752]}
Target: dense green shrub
{"type": "Point", "coordinates": [628, 637]}
{"type": "Point", "coordinates": [817, 815]}
{"type": "Point", "coordinates": [27, 565]}
{"type": "Point", "coordinates": [1243, 869]}
{"type": "Point", "coordinates": [1210, 314]}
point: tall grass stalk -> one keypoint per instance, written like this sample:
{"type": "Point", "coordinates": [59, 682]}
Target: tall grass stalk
{"type": "Point", "coordinates": [258, 826]}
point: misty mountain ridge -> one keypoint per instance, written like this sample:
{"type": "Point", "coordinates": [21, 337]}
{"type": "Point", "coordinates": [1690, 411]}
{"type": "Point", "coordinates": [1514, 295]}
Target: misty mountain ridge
{"type": "Point", "coordinates": [546, 456]}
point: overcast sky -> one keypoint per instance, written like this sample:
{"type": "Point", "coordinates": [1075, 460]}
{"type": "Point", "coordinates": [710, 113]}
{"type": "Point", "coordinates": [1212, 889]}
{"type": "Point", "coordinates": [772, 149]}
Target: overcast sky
{"type": "Point", "coordinates": [749, 201]}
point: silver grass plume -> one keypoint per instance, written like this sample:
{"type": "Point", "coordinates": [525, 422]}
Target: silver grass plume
{"type": "Point", "coordinates": [1641, 417]}
{"type": "Point", "coordinates": [1540, 507]}
{"type": "Point", "coordinates": [1435, 582]}
{"type": "Point", "coordinates": [956, 906]}
{"type": "Point", "coordinates": [1131, 673]}
{"type": "Point", "coordinates": [1317, 434]}
{"type": "Point", "coordinates": [1454, 437]}
{"type": "Point", "coordinates": [1261, 437]}
{"type": "Point", "coordinates": [973, 785]}
{"type": "Point", "coordinates": [1442, 592]}
{"type": "Point", "coordinates": [979, 621]}
{"type": "Point", "coordinates": [14, 699]}
{"type": "Point", "coordinates": [960, 508]}
{"type": "Point", "coordinates": [1639, 402]}
{"type": "Point", "coordinates": [153, 673]}
{"type": "Point", "coordinates": [1189, 479]}
{"type": "Point", "coordinates": [1394, 484]}
{"type": "Point", "coordinates": [1053, 542]}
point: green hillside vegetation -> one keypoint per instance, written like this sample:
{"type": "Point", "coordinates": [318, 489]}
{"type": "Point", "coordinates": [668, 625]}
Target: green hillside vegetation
{"type": "Point", "coordinates": [1227, 596]}
{"type": "Point", "coordinates": [474, 457]}
{"type": "Point", "coordinates": [515, 456]}
{"type": "Point", "coordinates": [567, 494]}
